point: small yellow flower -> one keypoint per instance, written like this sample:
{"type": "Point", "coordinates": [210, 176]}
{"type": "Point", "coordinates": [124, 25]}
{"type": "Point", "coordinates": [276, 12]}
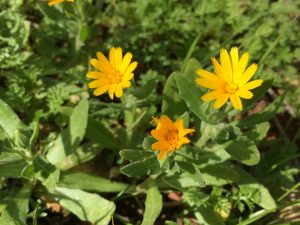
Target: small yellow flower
{"type": "Point", "coordinates": [53, 2]}
{"type": "Point", "coordinates": [170, 136]}
{"type": "Point", "coordinates": [112, 75]}
{"type": "Point", "coordinates": [230, 81]}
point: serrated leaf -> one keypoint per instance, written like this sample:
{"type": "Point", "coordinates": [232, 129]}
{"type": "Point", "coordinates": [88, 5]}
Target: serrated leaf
{"type": "Point", "coordinates": [153, 206]}
{"type": "Point", "coordinates": [86, 206]}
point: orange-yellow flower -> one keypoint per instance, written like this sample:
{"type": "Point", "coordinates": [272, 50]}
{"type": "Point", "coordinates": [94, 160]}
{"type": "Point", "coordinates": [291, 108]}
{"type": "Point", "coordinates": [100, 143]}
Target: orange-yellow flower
{"type": "Point", "coordinates": [53, 2]}
{"type": "Point", "coordinates": [170, 136]}
{"type": "Point", "coordinates": [230, 81]}
{"type": "Point", "coordinates": [112, 75]}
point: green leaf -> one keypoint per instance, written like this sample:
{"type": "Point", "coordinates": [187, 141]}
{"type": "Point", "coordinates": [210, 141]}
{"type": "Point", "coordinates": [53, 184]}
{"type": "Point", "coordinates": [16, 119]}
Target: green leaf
{"type": "Point", "coordinates": [191, 94]}
{"type": "Point", "coordinates": [91, 183]}
{"type": "Point", "coordinates": [262, 116]}
{"type": "Point", "coordinates": [218, 174]}
{"type": "Point", "coordinates": [207, 216]}
{"type": "Point", "coordinates": [96, 132]}
{"type": "Point", "coordinates": [16, 203]}
{"type": "Point", "coordinates": [9, 120]}
{"type": "Point", "coordinates": [215, 132]}
{"type": "Point", "coordinates": [153, 206]}
{"type": "Point", "coordinates": [242, 149]}
{"type": "Point", "coordinates": [51, 12]}
{"type": "Point", "coordinates": [45, 172]}
{"type": "Point", "coordinates": [86, 206]}
{"type": "Point", "coordinates": [139, 168]}
{"type": "Point", "coordinates": [135, 154]}
{"type": "Point", "coordinates": [82, 154]}
{"type": "Point", "coordinates": [70, 138]}
{"type": "Point", "coordinates": [258, 193]}
{"type": "Point", "coordinates": [258, 132]}
{"type": "Point", "coordinates": [190, 171]}
{"type": "Point", "coordinates": [172, 104]}
{"type": "Point", "coordinates": [168, 222]}
{"type": "Point", "coordinates": [180, 182]}
{"type": "Point", "coordinates": [258, 93]}
{"type": "Point", "coordinates": [11, 165]}
{"type": "Point", "coordinates": [190, 69]}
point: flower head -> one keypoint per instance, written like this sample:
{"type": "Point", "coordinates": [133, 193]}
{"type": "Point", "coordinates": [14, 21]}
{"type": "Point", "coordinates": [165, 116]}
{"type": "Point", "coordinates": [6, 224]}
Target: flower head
{"type": "Point", "coordinates": [53, 2]}
{"type": "Point", "coordinates": [113, 74]}
{"type": "Point", "coordinates": [170, 136]}
{"type": "Point", "coordinates": [230, 81]}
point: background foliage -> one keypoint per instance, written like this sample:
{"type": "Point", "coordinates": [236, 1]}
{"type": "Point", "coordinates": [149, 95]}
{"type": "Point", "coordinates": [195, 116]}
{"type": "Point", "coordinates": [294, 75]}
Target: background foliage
{"type": "Point", "coordinates": [67, 156]}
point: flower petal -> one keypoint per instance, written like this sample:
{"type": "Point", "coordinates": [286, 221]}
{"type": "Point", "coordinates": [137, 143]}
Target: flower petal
{"type": "Point", "coordinates": [166, 121]}
{"type": "Point", "coordinates": [101, 66]}
{"type": "Point", "coordinates": [162, 154]}
{"type": "Point", "coordinates": [160, 145]}
{"type": "Point", "coordinates": [95, 75]}
{"type": "Point", "coordinates": [236, 102]}
{"type": "Point", "coordinates": [101, 90]}
{"type": "Point", "coordinates": [95, 84]}
{"type": "Point", "coordinates": [126, 61]}
{"type": "Point", "coordinates": [209, 83]}
{"type": "Point", "coordinates": [53, 2]}
{"type": "Point", "coordinates": [212, 95]}
{"type": "Point", "coordinates": [226, 65]}
{"type": "Point", "coordinates": [243, 93]}
{"type": "Point", "coordinates": [221, 100]}
{"type": "Point", "coordinates": [126, 84]}
{"type": "Point", "coordinates": [217, 67]}
{"type": "Point", "coordinates": [119, 91]}
{"type": "Point", "coordinates": [127, 76]}
{"type": "Point", "coordinates": [112, 90]}
{"type": "Point", "coordinates": [104, 63]}
{"type": "Point", "coordinates": [130, 68]}
{"type": "Point", "coordinates": [234, 55]}
{"type": "Point", "coordinates": [252, 84]}
{"type": "Point", "coordinates": [112, 56]}
{"type": "Point", "coordinates": [243, 63]}
{"type": "Point", "coordinates": [248, 74]}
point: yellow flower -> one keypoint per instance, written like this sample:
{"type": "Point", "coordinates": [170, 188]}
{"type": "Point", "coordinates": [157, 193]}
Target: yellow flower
{"type": "Point", "coordinates": [112, 75]}
{"type": "Point", "coordinates": [230, 81]}
{"type": "Point", "coordinates": [170, 136]}
{"type": "Point", "coordinates": [53, 2]}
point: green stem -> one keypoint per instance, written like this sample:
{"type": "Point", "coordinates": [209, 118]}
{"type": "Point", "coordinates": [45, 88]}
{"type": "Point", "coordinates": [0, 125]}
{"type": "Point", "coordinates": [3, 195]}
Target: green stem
{"type": "Point", "coordinates": [190, 52]}
{"type": "Point", "coordinates": [264, 212]}
{"type": "Point", "coordinates": [289, 191]}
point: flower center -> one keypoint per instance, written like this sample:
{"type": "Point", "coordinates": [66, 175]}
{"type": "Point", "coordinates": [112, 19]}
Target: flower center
{"type": "Point", "coordinates": [231, 88]}
{"type": "Point", "coordinates": [115, 76]}
{"type": "Point", "coordinates": [172, 138]}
